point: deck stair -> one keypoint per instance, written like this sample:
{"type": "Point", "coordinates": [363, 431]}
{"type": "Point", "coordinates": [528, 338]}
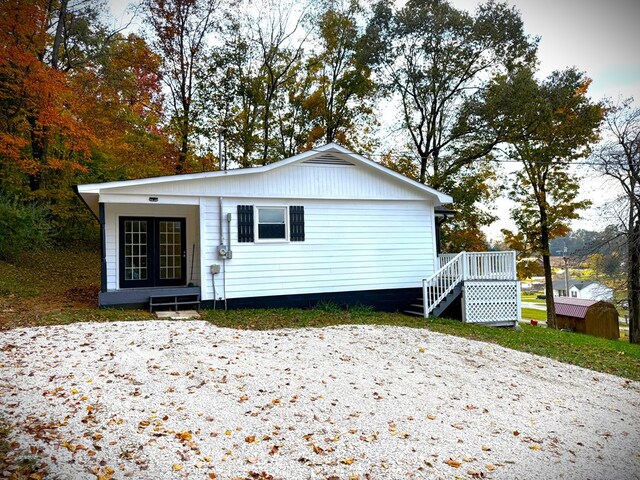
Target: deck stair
{"type": "Point", "coordinates": [174, 302]}
{"type": "Point", "coordinates": [442, 288]}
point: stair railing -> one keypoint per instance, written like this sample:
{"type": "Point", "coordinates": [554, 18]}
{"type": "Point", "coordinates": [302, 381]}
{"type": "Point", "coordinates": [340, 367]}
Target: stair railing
{"type": "Point", "coordinates": [442, 282]}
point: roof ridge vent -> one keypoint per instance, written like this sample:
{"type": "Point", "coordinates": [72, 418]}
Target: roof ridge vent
{"type": "Point", "coordinates": [328, 159]}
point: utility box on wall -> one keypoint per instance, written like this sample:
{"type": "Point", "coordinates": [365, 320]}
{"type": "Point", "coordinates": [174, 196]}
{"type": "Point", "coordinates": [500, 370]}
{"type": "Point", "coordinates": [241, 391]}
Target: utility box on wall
{"type": "Point", "coordinates": [591, 317]}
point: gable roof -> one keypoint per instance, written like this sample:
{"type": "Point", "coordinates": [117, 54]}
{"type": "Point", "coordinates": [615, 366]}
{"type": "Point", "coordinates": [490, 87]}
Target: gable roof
{"type": "Point", "coordinates": [330, 153]}
{"type": "Point", "coordinates": [579, 284]}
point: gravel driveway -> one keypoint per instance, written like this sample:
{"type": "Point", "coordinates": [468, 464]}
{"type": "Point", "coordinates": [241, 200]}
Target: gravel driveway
{"type": "Point", "coordinates": [165, 400]}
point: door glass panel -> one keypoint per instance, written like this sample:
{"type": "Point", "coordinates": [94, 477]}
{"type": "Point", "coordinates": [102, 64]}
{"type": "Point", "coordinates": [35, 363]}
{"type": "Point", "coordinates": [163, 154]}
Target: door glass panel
{"type": "Point", "coordinates": [135, 244]}
{"type": "Point", "coordinates": [170, 246]}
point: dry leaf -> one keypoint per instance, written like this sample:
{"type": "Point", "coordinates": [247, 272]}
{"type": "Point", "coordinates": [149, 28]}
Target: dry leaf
{"type": "Point", "coordinates": [453, 463]}
{"type": "Point", "coordinates": [250, 439]}
{"type": "Point", "coordinates": [212, 475]}
{"type": "Point", "coordinates": [486, 448]}
{"type": "Point", "coordinates": [491, 467]}
{"type": "Point", "coordinates": [176, 467]}
{"type": "Point", "coordinates": [534, 447]}
{"type": "Point", "coordinates": [431, 417]}
{"type": "Point", "coordinates": [348, 461]}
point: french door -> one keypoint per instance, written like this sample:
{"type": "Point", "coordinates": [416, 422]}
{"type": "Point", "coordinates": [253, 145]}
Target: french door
{"type": "Point", "coordinates": [152, 252]}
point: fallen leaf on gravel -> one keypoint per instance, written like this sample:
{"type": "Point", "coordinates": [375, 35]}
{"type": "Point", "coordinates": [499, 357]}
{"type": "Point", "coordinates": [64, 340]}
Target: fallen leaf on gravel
{"type": "Point", "coordinates": [431, 417]}
{"type": "Point", "coordinates": [250, 439]}
{"type": "Point", "coordinates": [421, 350]}
{"type": "Point", "coordinates": [244, 398]}
{"type": "Point", "coordinates": [317, 449]}
{"type": "Point", "coordinates": [486, 448]}
{"type": "Point", "coordinates": [490, 467]}
{"type": "Point", "coordinates": [453, 463]}
{"type": "Point", "coordinates": [348, 461]}
{"type": "Point", "coordinates": [184, 436]}
{"type": "Point", "coordinates": [468, 459]}
{"type": "Point", "coordinates": [534, 447]}
{"type": "Point", "coordinates": [516, 433]}
{"type": "Point", "coordinates": [212, 475]}
{"type": "Point", "coordinates": [176, 467]}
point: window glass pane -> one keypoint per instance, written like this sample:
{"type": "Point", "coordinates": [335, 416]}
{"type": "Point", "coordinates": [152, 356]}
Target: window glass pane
{"type": "Point", "coordinates": [271, 215]}
{"type": "Point", "coordinates": [271, 231]}
{"type": "Point", "coordinates": [135, 248]}
{"type": "Point", "coordinates": [170, 250]}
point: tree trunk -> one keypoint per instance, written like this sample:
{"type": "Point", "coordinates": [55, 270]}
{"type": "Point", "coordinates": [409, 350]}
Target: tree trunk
{"type": "Point", "coordinates": [184, 151]}
{"type": "Point", "coordinates": [38, 152]}
{"type": "Point", "coordinates": [546, 262]}
{"type": "Point", "coordinates": [633, 292]}
{"type": "Point", "coordinates": [423, 168]}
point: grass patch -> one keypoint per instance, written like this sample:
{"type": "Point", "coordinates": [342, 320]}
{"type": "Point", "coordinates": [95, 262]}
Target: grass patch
{"type": "Point", "coordinates": [609, 356]}
{"type": "Point", "coordinates": [534, 314]}
{"type": "Point", "coordinates": [52, 271]}
{"type": "Point", "coordinates": [532, 298]}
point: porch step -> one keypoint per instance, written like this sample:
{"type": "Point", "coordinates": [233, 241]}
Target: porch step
{"type": "Point", "coordinates": [174, 302]}
{"type": "Point", "coordinates": [417, 309]}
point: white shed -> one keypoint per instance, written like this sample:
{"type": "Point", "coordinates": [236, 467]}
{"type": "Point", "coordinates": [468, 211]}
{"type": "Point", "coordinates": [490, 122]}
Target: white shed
{"type": "Point", "coordinates": [327, 224]}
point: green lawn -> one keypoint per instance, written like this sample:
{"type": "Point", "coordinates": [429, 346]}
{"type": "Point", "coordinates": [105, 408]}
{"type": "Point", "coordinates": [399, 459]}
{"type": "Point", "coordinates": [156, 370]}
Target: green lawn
{"type": "Point", "coordinates": [534, 314]}
{"type": "Point", "coordinates": [60, 287]}
{"type": "Point", "coordinates": [531, 297]}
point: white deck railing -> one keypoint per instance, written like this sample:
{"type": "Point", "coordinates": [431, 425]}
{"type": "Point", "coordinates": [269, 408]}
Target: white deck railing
{"type": "Point", "coordinates": [465, 266]}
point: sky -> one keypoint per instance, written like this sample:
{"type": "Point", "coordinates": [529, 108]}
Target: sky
{"type": "Point", "coordinates": [599, 37]}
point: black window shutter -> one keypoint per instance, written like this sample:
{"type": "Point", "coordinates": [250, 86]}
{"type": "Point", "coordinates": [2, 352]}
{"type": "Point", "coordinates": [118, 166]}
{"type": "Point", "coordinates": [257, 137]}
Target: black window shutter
{"type": "Point", "coordinates": [245, 223]}
{"type": "Point", "coordinates": [296, 224]}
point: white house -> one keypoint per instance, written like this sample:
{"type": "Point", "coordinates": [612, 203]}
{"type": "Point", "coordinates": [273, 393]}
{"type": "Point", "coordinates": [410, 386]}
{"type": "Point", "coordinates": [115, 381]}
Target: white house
{"type": "Point", "coordinates": [587, 290]}
{"type": "Point", "coordinates": [327, 224]}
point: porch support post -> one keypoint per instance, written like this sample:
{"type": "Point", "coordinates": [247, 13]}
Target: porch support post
{"type": "Point", "coordinates": [465, 267]}
{"type": "Point", "coordinates": [514, 263]}
{"type": "Point", "coordinates": [103, 248]}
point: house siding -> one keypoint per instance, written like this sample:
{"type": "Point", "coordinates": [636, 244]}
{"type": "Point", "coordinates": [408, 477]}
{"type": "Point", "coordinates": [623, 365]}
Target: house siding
{"type": "Point", "coordinates": [292, 181]}
{"type": "Point", "coordinates": [114, 211]}
{"type": "Point", "coordinates": [356, 245]}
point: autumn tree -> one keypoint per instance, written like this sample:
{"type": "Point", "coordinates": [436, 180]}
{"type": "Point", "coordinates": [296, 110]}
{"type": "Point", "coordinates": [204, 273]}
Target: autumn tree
{"type": "Point", "coordinates": [180, 30]}
{"type": "Point", "coordinates": [618, 157]}
{"type": "Point", "coordinates": [42, 44]}
{"type": "Point", "coordinates": [341, 102]}
{"type": "Point", "coordinates": [438, 60]}
{"type": "Point", "coordinates": [550, 123]}
{"type": "Point", "coordinates": [280, 40]}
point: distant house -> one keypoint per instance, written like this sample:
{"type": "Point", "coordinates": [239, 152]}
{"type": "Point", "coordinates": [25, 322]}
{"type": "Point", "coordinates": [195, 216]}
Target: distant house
{"type": "Point", "coordinates": [584, 289]}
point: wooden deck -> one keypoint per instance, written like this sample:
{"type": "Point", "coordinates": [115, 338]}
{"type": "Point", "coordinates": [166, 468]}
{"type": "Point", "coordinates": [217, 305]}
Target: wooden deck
{"type": "Point", "coordinates": [139, 297]}
{"type": "Point", "coordinates": [486, 281]}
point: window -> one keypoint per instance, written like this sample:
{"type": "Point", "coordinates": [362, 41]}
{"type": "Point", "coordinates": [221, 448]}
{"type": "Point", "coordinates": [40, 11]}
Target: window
{"type": "Point", "coordinates": [574, 294]}
{"type": "Point", "coordinates": [272, 223]}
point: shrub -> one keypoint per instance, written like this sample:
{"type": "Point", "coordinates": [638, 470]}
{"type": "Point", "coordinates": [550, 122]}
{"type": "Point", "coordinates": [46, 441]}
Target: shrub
{"type": "Point", "coordinates": [22, 227]}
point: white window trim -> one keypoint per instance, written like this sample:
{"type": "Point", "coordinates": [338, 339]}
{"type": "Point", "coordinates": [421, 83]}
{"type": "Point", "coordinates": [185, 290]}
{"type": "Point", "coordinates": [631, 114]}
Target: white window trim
{"type": "Point", "coordinates": [256, 223]}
